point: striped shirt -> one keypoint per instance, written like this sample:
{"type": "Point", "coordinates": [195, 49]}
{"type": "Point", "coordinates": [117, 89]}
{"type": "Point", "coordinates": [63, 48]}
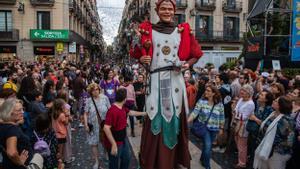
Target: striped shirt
{"type": "Point", "coordinates": [203, 109]}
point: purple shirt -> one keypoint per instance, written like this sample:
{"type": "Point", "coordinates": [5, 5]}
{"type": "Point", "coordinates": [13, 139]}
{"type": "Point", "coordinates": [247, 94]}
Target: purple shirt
{"type": "Point", "coordinates": [110, 89]}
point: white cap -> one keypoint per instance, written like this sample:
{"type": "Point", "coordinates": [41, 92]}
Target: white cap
{"type": "Point", "coordinates": [265, 74]}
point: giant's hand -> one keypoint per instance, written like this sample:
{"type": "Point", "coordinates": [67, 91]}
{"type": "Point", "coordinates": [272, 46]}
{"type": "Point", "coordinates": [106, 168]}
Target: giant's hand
{"type": "Point", "coordinates": [145, 60]}
{"type": "Point", "coordinates": [185, 66]}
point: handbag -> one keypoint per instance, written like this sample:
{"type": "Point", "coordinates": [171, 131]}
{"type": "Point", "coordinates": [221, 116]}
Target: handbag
{"type": "Point", "coordinates": [199, 129]}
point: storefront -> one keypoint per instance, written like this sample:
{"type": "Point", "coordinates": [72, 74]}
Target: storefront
{"type": "Point", "coordinates": [44, 53]}
{"type": "Point", "coordinates": [49, 45]}
{"type": "Point", "coordinates": [78, 47]}
{"type": "Point", "coordinates": [7, 53]}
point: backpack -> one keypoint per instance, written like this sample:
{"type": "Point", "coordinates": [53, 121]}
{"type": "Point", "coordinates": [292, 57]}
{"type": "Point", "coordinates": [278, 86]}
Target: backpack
{"type": "Point", "coordinates": [41, 146]}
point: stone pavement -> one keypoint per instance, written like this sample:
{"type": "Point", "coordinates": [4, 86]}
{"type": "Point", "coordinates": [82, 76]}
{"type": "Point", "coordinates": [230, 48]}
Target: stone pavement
{"type": "Point", "coordinates": [83, 155]}
{"type": "Point", "coordinates": [194, 150]}
{"type": "Point", "coordinates": [82, 152]}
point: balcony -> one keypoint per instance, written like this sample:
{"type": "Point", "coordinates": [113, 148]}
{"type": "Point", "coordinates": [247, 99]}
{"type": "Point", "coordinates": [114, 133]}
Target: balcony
{"type": "Point", "coordinates": [219, 36]}
{"type": "Point", "coordinates": [42, 2]}
{"type": "Point", "coordinates": [205, 5]}
{"type": "Point", "coordinates": [10, 36]}
{"type": "Point", "coordinates": [232, 6]}
{"type": "Point", "coordinates": [181, 4]}
{"type": "Point", "coordinates": [72, 5]}
{"type": "Point", "coordinates": [8, 2]}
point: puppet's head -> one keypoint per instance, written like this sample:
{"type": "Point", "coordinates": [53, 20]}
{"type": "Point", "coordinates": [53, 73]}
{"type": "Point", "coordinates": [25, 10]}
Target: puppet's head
{"type": "Point", "coordinates": [166, 10]}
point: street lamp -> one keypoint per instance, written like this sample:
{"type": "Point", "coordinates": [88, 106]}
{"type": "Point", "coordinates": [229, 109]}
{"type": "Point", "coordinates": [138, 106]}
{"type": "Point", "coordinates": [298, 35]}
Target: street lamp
{"type": "Point", "coordinates": [21, 7]}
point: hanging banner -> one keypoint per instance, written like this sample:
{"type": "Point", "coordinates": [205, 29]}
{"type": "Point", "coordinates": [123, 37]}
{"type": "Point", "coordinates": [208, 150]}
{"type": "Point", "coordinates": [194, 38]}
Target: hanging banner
{"type": "Point", "coordinates": [254, 48]}
{"type": "Point", "coordinates": [72, 47]}
{"type": "Point", "coordinates": [296, 31]}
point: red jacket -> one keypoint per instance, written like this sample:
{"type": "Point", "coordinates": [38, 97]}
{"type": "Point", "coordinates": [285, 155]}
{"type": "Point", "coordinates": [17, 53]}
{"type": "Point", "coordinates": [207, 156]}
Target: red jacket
{"type": "Point", "coordinates": [188, 48]}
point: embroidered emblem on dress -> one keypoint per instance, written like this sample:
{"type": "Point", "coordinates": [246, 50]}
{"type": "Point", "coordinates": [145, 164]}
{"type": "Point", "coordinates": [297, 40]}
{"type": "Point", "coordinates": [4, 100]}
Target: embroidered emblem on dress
{"type": "Point", "coordinates": [166, 50]}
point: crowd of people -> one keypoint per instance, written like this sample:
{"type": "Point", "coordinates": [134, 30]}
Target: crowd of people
{"type": "Point", "coordinates": [253, 113]}
{"type": "Point", "coordinates": [257, 111]}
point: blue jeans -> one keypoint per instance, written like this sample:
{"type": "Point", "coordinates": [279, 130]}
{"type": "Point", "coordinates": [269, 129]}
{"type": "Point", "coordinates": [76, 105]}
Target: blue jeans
{"type": "Point", "coordinates": [208, 139]}
{"type": "Point", "coordinates": [123, 157]}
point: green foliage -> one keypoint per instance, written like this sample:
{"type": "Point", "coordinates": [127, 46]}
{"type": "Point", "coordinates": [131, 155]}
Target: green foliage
{"type": "Point", "coordinates": [229, 65]}
{"type": "Point", "coordinates": [209, 65]}
{"type": "Point", "coordinates": [291, 72]}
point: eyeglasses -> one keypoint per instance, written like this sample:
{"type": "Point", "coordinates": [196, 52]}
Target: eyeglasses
{"type": "Point", "coordinates": [19, 111]}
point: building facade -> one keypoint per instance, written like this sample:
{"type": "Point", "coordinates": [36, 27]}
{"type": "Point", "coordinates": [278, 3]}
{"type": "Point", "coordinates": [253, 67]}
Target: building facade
{"type": "Point", "coordinates": [49, 29]}
{"type": "Point", "coordinates": [219, 25]}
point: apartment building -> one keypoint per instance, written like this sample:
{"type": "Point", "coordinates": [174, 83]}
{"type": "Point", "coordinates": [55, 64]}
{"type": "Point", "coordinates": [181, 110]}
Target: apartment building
{"type": "Point", "coordinates": [49, 29]}
{"type": "Point", "coordinates": [219, 25]}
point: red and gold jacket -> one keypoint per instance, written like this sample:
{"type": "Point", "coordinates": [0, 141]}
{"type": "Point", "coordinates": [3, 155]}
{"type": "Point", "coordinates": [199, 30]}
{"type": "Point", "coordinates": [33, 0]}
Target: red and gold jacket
{"type": "Point", "coordinates": [189, 49]}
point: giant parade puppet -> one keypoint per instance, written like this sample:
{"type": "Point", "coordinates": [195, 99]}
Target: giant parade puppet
{"type": "Point", "coordinates": [165, 49]}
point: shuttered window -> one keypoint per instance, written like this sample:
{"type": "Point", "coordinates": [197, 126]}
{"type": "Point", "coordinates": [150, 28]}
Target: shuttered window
{"type": "Point", "coordinates": [204, 26]}
{"type": "Point", "coordinates": [231, 27]}
{"type": "Point", "coordinates": [43, 20]}
{"type": "Point", "coordinates": [5, 21]}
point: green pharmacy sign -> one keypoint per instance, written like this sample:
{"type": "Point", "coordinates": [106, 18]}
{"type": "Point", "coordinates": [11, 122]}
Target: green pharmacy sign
{"type": "Point", "coordinates": [36, 34]}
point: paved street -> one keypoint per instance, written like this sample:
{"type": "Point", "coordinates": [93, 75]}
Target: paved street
{"type": "Point", "coordinates": [82, 152]}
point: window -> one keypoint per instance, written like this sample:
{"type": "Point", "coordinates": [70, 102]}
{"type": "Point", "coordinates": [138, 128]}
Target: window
{"type": "Point", "coordinates": [204, 25]}
{"type": "Point", "coordinates": [5, 21]}
{"type": "Point", "coordinates": [207, 48]}
{"type": "Point", "coordinates": [43, 20]}
{"type": "Point", "coordinates": [231, 3]}
{"type": "Point", "coordinates": [205, 2]}
{"type": "Point", "coordinates": [231, 59]}
{"type": "Point", "coordinates": [231, 27]}
{"type": "Point", "coordinates": [179, 18]}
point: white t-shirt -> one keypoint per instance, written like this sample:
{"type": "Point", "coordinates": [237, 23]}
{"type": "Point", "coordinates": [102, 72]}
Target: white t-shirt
{"type": "Point", "coordinates": [244, 109]}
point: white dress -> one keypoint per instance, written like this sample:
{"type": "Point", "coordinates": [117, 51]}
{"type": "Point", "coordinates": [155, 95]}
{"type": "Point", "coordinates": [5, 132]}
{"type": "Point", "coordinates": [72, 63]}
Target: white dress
{"type": "Point", "coordinates": [103, 105]}
{"type": "Point", "coordinates": [166, 86]}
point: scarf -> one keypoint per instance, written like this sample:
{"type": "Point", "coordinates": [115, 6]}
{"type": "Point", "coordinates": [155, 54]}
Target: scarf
{"type": "Point", "coordinates": [163, 27]}
{"type": "Point", "coordinates": [262, 152]}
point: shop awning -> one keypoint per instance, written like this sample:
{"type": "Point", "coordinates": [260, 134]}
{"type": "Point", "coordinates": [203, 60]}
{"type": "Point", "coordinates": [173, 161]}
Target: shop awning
{"type": "Point", "coordinates": [259, 7]}
{"type": "Point", "coordinates": [75, 37]}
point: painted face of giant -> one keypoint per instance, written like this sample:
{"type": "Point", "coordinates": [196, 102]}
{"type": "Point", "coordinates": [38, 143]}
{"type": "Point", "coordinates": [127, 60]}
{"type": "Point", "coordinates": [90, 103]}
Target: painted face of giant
{"type": "Point", "coordinates": [166, 11]}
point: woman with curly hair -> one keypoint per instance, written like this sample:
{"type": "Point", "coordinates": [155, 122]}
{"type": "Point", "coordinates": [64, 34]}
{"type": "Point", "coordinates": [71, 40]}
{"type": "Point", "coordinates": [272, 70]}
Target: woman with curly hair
{"type": "Point", "coordinates": [209, 110]}
{"type": "Point", "coordinates": [94, 116]}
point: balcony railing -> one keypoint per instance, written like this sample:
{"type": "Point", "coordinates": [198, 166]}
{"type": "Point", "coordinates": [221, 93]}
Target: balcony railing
{"type": "Point", "coordinates": [12, 35]}
{"type": "Point", "coordinates": [72, 5]}
{"type": "Point", "coordinates": [181, 4]}
{"type": "Point", "coordinates": [42, 2]}
{"type": "Point", "coordinates": [215, 36]}
{"type": "Point", "coordinates": [205, 5]}
{"type": "Point", "coordinates": [8, 2]}
{"type": "Point", "coordinates": [233, 7]}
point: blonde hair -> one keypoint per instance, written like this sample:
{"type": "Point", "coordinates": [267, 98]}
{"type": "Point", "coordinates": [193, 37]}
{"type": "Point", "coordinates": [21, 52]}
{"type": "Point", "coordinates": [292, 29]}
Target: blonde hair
{"type": "Point", "coordinates": [7, 108]}
{"type": "Point", "coordinates": [92, 87]}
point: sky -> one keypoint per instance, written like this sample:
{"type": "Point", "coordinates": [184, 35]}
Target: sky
{"type": "Point", "coordinates": [112, 3]}
{"type": "Point", "coordinates": [110, 18]}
